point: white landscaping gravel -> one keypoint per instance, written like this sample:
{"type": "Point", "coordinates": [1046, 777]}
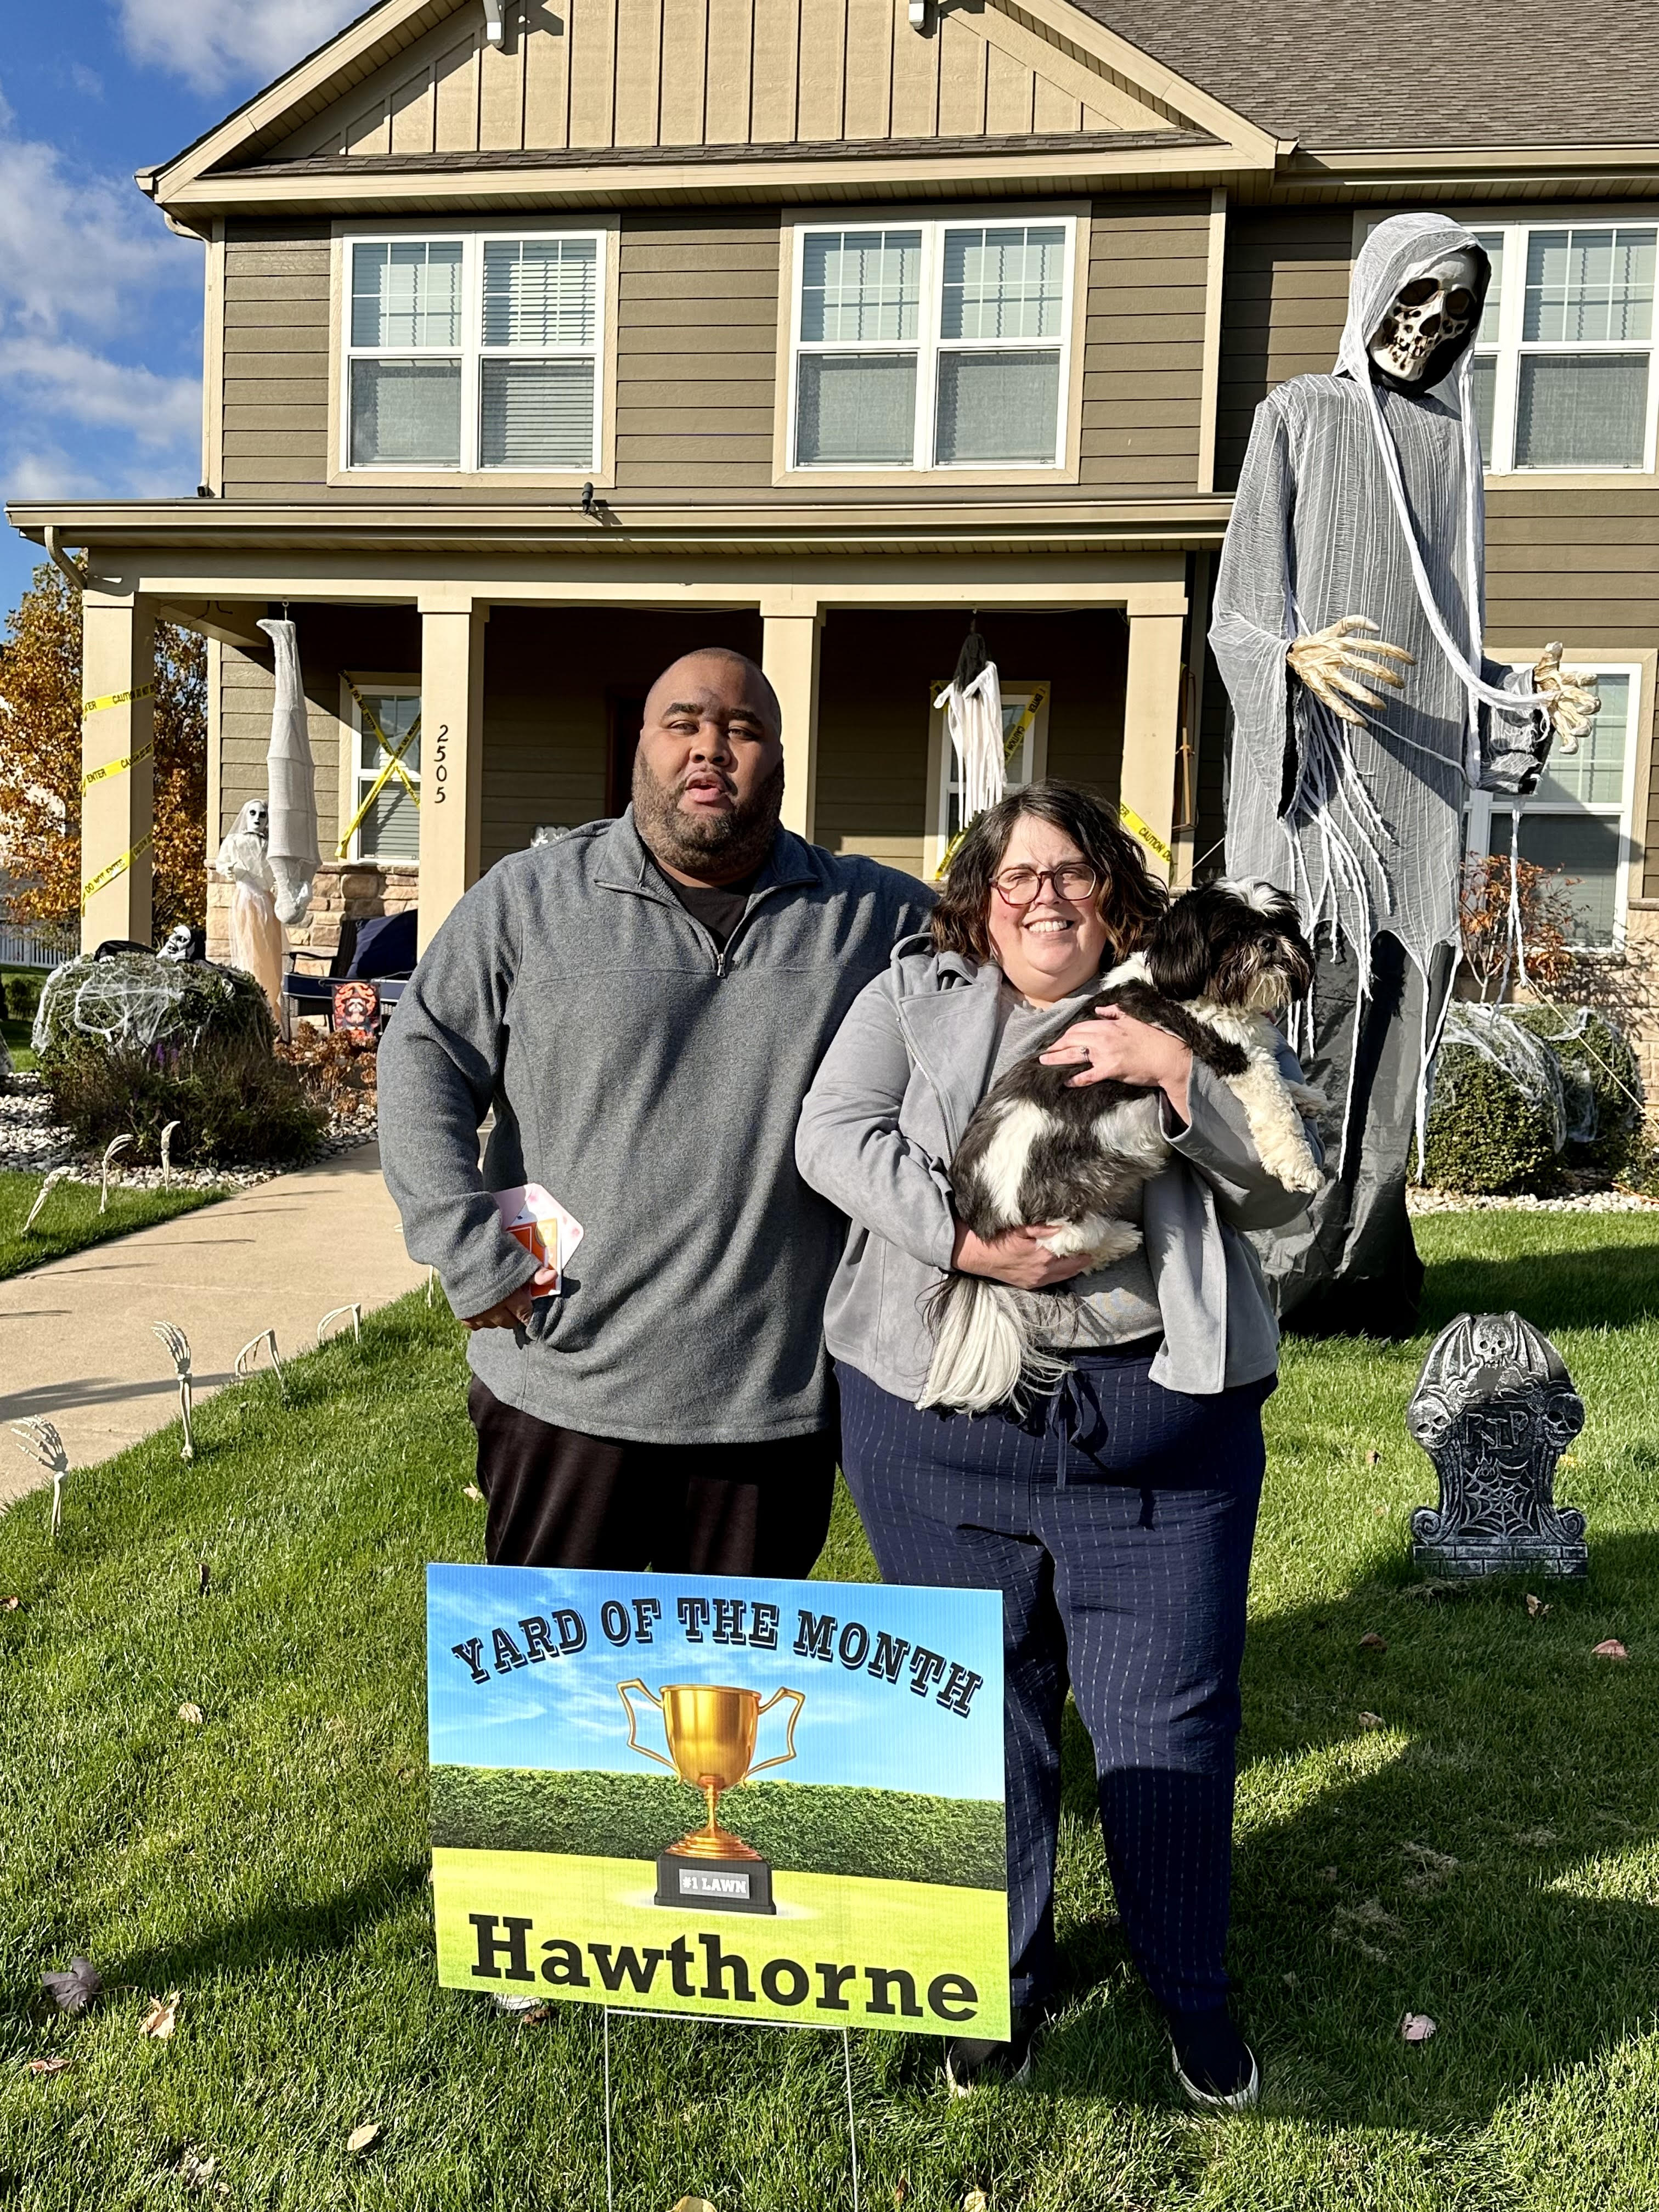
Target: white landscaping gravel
{"type": "Point", "coordinates": [32, 1143]}
{"type": "Point", "coordinates": [1583, 1201]}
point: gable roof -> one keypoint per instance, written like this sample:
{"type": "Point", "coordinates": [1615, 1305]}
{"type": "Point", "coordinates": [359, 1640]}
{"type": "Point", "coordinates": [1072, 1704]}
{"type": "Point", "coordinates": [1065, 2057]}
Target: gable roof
{"type": "Point", "coordinates": [1413, 74]}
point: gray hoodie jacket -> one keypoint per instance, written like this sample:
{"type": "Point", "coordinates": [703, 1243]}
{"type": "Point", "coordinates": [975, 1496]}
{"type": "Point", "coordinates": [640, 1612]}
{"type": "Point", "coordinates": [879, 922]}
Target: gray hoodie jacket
{"type": "Point", "coordinates": [885, 1112]}
{"type": "Point", "coordinates": [652, 1083]}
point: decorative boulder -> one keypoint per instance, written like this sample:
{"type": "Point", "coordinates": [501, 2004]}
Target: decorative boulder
{"type": "Point", "coordinates": [1494, 1409]}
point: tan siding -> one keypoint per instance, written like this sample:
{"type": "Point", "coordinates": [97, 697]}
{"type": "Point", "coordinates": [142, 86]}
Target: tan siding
{"type": "Point", "coordinates": [725, 100]}
{"type": "Point", "coordinates": [1143, 357]}
{"type": "Point", "coordinates": [961, 79]}
{"type": "Point", "coordinates": [869, 68]}
{"type": "Point", "coordinates": [1010, 89]}
{"type": "Point", "coordinates": [275, 360]}
{"type": "Point", "coordinates": [823, 36]}
{"type": "Point", "coordinates": [456, 78]}
{"type": "Point", "coordinates": [501, 94]}
{"type": "Point", "coordinates": [546, 72]}
{"type": "Point", "coordinates": [684, 60]}
{"type": "Point", "coordinates": [1284, 294]}
{"type": "Point", "coordinates": [777, 54]}
{"type": "Point", "coordinates": [592, 77]}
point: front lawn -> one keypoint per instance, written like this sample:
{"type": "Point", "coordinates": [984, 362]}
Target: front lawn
{"type": "Point", "coordinates": [69, 1220]}
{"type": "Point", "coordinates": [1488, 1856]}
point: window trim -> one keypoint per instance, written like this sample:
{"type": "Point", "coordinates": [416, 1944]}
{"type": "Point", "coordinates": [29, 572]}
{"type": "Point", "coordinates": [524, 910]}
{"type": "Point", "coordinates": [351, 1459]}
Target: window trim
{"type": "Point", "coordinates": [936, 830]}
{"type": "Point", "coordinates": [605, 227]}
{"type": "Point", "coordinates": [351, 781]}
{"type": "Point", "coordinates": [1638, 743]}
{"type": "Point", "coordinates": [934, 219]}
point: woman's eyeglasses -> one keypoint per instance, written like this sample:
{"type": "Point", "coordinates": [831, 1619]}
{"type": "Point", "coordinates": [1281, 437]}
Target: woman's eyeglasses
{"type": "Point", "coordinates": [1072, 880]}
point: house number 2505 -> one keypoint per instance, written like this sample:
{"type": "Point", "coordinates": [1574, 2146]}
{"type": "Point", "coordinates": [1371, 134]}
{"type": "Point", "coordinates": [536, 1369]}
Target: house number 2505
{"type": "Point", "coordinates": [440, 764]}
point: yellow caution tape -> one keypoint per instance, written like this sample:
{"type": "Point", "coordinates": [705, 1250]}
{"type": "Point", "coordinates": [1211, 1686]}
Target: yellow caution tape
{"type": "Point", "coordinates": [105, 877]}
{"type": "Point", "coordinates": [1012, 745]}
{"type": "Point", "coordinates": [394, 760]}
{"type": "Point", "coordinates": [116, 699]}
{"type": "Point", "coordinates": [115, 767]}
{"type": "Point", "coordinates": [1148, 837]}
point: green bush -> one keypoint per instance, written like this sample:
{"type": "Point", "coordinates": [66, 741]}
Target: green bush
{"type": "Point", "coordinates": [131, 1043]}
{"type": "Point", "coordinates": [885, 1835]}
{"type": "Point", "coordinates": [1484, 1134]}
{"type": "Point", "coordinates": [22, 994]}
{"type": "Point", "coordinates": [1602, 1081]}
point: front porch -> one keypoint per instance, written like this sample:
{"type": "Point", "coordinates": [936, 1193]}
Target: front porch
{"type": "Point", "coordinates": [528, 690]}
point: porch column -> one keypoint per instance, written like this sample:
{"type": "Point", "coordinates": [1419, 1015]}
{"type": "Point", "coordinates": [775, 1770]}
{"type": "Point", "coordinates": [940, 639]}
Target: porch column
{"type": "Point", "coordinates": [789, 655]}
{"type": "Point", "coordinates": [1151, 720]}
{"type": "Point", "coordinates": [118, 816]}
{"type": "Point", "coordinates": [452, 752]}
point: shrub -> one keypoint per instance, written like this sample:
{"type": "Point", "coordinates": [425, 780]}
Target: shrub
{"type": "Point", "coordinates": [22, 994]}
{"type": "Point", "coordinates": [1495, 1120]}
{"type": "Point", "coordinates": [1600, 1080]}
{"type": "Point", "coordinates": [132, 1042]}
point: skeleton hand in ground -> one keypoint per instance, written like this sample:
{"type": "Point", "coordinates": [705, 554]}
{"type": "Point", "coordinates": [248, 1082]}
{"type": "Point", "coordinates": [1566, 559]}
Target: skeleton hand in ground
{"type": "Point", "coordinates": [1331, 663]}
{"type": "Point", "coordinates": [1575, 702]}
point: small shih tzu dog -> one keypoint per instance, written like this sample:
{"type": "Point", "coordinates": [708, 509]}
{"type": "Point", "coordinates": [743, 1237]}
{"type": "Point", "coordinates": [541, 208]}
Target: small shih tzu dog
{"type": "Point", "coordinates": [1221, 960]}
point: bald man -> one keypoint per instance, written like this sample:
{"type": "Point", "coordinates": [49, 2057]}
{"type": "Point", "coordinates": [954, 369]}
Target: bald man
{"type": "Point", "coordinates": [644, 1005]}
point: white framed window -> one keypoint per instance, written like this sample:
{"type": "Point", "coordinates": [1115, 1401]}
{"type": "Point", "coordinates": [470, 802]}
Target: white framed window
{"type": "Point", "coordinates": [474, 350]}
{"type": "Point", "coordinates": [1563, 374]}
{"type": "Point", "coordinates": [1576, 825]}
{"type": "Point", "coordinates": [1025, 758]}
{"type": "Point", "coordinates": [930, 345]}
{"type": "Point", "coordinates": [382, 715]}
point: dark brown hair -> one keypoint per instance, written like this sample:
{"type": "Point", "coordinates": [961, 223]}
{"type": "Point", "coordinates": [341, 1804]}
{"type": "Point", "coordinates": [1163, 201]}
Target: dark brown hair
{"type": "Point", "coordinates": [1130, 902]}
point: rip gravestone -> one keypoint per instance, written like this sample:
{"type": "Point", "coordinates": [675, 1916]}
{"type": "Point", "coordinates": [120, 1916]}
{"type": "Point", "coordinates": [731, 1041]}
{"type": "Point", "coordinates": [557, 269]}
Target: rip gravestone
{"type": "Point", "coordinates": [1494, 1409]}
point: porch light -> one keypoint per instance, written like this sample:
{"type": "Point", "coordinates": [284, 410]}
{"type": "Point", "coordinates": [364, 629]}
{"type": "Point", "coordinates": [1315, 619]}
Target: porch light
{"type": "Point", "coordinates": [493, 9]}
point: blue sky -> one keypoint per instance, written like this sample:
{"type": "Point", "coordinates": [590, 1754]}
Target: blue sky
{"type": "Point", "coordinates": [566, 1713]}
{"type": "Point", "coordinates": [101, 305]}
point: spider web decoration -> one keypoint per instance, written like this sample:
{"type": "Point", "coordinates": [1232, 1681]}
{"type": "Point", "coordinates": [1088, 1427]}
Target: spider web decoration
{"type": "Point", "coordinates": [128, 1009]}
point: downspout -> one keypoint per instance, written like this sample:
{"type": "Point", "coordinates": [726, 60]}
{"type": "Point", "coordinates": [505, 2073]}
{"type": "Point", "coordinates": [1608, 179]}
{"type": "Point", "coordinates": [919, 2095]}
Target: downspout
{"type": "Point", "coordinates": [55, 552]}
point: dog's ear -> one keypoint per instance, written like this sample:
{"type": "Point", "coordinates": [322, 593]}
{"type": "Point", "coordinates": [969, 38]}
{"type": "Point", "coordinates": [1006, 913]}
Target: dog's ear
{"type": "Point", "coordinates": [1181, 952]}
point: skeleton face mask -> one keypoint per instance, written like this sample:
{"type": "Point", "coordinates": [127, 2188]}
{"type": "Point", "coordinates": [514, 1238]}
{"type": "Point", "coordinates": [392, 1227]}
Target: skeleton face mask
{"type": "Point", "coordinates": [1428, 314]}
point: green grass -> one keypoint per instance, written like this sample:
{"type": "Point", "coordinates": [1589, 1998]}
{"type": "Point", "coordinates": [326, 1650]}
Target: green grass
{"type": "Point", "coordinates": [1490, 1856]}
{"type": "Point", "coordinates": [69, 1220]}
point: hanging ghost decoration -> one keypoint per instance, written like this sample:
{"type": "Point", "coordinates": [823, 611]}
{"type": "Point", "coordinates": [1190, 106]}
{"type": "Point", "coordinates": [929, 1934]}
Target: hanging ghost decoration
{"type": "Point", "coordinates": [290, 776]}
{"type": "Point", "coordinates": [1348, 631]}
{"type": "Point", "coordinates": [256, 935]}
{"type": "Point", "coordinates": [972, 705]}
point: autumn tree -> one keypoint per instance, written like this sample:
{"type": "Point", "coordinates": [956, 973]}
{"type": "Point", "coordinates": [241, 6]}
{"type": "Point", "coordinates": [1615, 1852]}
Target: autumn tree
{"type": "Point", "coordinates": [40, 761]}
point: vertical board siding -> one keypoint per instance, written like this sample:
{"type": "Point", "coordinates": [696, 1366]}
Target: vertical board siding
{"type": "Point", "coordinates": [685, 27]}
{"type": "Point", "coordinates": [726, 98]}
{"type": "Point", "coordinates": [546, 73]}
{"type": "Point", "coordinates": [870, 35]}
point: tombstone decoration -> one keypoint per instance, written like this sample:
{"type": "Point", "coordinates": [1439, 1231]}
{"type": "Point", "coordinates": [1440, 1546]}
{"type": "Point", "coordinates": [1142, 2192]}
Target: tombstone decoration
{"type": "Point", "coordinates": [1494, 1409]}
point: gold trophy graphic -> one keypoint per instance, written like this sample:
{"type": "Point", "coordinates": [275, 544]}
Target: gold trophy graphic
{"type": "Point", "coordinates": [710, 1731]}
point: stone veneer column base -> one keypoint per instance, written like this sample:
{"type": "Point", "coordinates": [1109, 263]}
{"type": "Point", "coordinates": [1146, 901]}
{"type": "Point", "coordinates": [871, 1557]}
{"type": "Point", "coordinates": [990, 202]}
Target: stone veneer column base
{"type": "Point", "coordinates": [345, 890]}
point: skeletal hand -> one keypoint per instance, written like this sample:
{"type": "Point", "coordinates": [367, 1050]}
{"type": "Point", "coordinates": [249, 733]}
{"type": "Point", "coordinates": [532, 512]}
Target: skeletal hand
{"type": "Point", "coordinates": [1331, 663]}
{"type": "Point", "coordinates": [1575, 702]}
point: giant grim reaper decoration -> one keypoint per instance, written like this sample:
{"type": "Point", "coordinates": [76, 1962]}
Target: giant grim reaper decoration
{"type": "Point", "coordinates": [1348, 631]}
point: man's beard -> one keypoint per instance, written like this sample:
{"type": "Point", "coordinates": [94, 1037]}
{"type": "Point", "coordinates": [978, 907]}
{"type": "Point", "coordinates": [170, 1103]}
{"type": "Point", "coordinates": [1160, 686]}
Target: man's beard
{"type": "Point", "coordinates": [712, 847]}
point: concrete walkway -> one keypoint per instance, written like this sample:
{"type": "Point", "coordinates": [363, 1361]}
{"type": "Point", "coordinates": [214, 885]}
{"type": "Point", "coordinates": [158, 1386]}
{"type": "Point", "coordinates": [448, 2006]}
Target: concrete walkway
{"type": "Point", "coordinates": [74, 1336]}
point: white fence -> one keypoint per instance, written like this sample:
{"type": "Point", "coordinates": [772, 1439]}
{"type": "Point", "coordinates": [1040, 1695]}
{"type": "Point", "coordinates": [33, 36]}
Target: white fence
{"type": "Point", "coordinates": [38, 944]}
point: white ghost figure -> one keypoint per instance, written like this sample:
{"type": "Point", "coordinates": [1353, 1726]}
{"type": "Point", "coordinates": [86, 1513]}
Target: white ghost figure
{"type": "Point", "coordinates": [291, 778]}
{"type": "Point", "coordinates": [256, 935]}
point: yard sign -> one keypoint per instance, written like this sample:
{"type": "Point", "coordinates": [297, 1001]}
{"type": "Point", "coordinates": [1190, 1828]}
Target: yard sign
{"type": "Point", "coordinates": [753, 1799]}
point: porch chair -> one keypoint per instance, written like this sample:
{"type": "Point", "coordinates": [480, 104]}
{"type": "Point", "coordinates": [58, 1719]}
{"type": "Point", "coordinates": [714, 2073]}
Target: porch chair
{"type": "Point", "coordinates": [380, 951]}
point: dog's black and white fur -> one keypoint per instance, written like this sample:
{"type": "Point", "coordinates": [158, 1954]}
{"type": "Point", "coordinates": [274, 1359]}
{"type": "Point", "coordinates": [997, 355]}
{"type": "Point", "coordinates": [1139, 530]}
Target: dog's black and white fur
{"type": "Point", "coordinates": [1038, 1149]}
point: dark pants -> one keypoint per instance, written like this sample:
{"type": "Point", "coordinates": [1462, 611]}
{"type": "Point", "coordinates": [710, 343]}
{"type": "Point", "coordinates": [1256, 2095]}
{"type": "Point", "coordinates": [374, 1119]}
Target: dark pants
{"type": "Point", "coordinates": [1117, 1522]}
{"type": "Point", "coordinates": [558, 1498]}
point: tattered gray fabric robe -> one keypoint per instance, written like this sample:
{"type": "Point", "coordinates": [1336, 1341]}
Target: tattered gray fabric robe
{"type": "Point", "coordinates": [1364, 825]}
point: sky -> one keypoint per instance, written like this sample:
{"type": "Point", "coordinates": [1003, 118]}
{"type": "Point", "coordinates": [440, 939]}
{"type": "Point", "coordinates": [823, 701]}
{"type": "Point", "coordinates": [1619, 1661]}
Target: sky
{"type": "Point", "coordinates": [101, 305]}
{"type": "Point", "coordinates": [566, 1713]}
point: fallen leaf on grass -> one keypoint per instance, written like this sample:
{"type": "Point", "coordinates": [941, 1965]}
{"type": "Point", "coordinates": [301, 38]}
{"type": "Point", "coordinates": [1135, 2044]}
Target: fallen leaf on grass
{"type": "Point", "coordinates": [363, 2138]}
{"type": "Point", "coordinates": [193, 1714]}
{"type": "Point", "coordinates": [1380, 1511]}
{"type": "Point", "coordinates": [1370, 1641]}
{"type": "Point", "coordinates": [1609, 1648]}
{"type": "Point", "coordinates": [1373, 1458]}
{"type": "Point", "coordinates": [901, 2188]}
{"type": "Point", "coordinates": [197, 2172]}
{"type": "Point", "coordinates": [473, 1491]}
{"type": "Point", "coordinates": [11, 1604]}
{"type": "Point", "coordinates": [536, 2015]}
{"type": "Point", "coordinates": [161, 2019]}
{"type": "Point", "coordinates": [53, 2066]}
{"type": "Point", "coordinates": [203, 1577]}
{"type": "Point", "coordinates": [1373, 1721]}
{"type": "Point", "coordinates": [1416, 2027]}
{"type": "Point", "coordinates": [1434, 1868]}
{"type": "Point", "coordinates": [1535, 1606]}
{"type": "Point", "coordinates": [72, 1992]}
{"type": "Point", "coordinates": [975, 2201]}
{"type": "Point", "coordinates": [694, 2205]}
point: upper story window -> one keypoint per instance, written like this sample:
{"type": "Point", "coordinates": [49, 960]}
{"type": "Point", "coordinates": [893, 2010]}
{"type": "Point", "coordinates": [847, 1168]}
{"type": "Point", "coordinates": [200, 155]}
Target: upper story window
{"type": "Point", "coordinates": [931, 345]}
{"type": "Point", "coordinates": [475, 352]}
{"type": "Point", "coordinates": [1564, 371]}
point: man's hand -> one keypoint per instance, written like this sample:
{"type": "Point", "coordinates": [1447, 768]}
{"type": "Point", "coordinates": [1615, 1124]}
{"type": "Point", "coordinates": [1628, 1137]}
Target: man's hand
{"type": "Point", "coordinates": [514, 1310]}
{"type": "Point", "coordinates": [1019, 1257]}
{"type": "Point", "coordinates": [1575, 702]}
{"type": "Point", "coordinates": [1114, 1044]}
{"type": "Point", "coordinates": [1331, 662]}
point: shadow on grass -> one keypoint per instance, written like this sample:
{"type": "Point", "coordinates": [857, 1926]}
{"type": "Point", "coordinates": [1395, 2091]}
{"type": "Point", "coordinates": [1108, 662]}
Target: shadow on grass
{"type": "Point", "coordinates": [1474, 1859]}
{"type": "Point", "coordinates": [1602, 1286]}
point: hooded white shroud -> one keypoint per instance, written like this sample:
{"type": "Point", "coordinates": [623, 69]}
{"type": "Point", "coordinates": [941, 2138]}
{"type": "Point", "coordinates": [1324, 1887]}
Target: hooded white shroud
{"type": "Point", "coordinates": [256, 935]}
{"type": "Point", "coordinates": [1359, 499]}
{"type": "Point", "coordinates": [291, 778]}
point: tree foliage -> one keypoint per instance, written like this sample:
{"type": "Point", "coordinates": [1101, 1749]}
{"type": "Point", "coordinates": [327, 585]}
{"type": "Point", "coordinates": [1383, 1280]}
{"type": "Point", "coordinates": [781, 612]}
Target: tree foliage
{"type": "Point", "coordinates": [1548, 924]}
{"type": "Point", "coordinates": [40, 761]}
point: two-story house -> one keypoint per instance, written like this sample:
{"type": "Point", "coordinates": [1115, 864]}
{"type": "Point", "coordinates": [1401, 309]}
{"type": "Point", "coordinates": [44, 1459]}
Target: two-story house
{"type": "Point", "coordinates": [545, 338]}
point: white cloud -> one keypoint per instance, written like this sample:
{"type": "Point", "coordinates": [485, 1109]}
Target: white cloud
{"type": "Point", "coordinates": [213, 43]}
{"type": "Point", "coordinates": [78, 249]}
{"type": "Point", "coordinates": [63, 378]}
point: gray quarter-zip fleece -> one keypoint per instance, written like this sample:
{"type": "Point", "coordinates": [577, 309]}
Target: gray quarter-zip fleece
{"type": "Point", "coordinates": [652, 1082]}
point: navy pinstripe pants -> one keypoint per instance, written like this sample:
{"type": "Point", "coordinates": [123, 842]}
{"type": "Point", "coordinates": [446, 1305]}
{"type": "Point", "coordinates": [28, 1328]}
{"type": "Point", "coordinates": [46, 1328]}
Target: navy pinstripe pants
{"type": "Point", "coordinates": [1117, 1520]}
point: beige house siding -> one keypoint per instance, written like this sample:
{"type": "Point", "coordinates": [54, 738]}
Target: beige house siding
{"type": "Point", "coordinates": [638, 73]}
{"type": "Point", "coordinates": [1284, 298]}
{"type": "Point", "coordinates": [697, 352]}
